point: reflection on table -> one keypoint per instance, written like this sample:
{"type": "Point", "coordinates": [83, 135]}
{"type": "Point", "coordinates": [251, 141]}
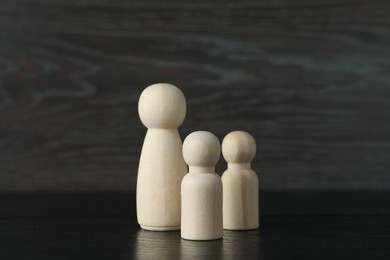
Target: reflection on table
{"type": "Point", "coordinates": [169, 245]}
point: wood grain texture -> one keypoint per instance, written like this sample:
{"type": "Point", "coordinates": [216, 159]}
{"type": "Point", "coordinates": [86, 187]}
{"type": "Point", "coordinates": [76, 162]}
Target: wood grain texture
{"type": "Point", "coordinates": [308, 79]}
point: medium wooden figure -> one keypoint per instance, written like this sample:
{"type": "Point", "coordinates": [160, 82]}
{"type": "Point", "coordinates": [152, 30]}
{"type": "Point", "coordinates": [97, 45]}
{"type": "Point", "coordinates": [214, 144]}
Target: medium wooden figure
{"type": "Point", "coordinates": [162, 109]}
{"type": "Point", "coordinates": [240, 183]}
{"type": "Point", "coordinates": [201, 188]}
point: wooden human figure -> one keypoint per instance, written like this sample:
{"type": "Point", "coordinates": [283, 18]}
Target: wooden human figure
{"type": "Point", "coordinates": [240, 183]}
{"type": "Point", "coordinates": [201, 188]}
{"type": "Point", "coordinates": [162, 109]}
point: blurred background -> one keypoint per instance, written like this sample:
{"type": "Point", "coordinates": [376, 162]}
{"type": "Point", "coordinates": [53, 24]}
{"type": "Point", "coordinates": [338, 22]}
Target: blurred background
{"type": "Point", "coordinates": [310, 80]}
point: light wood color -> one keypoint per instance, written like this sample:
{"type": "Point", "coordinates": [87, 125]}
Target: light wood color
{"type": "Point", "coordinates": [162, 108]}
{"type": "Point", "coordinates": [201, 188]}
{"type": "Point", "coordinates": [240, 183]}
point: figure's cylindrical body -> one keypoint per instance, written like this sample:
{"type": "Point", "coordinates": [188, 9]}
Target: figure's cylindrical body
{"type": "Point", "coordinates": [240, 198]}
{"type": "Point", "coordinates": [240, 182]}
{"type": "Point", "coordinates": [161, 169]}
{"type": "Point", "coordinates": [201, 195]}
{"type": "Point", "coordinates": [162, 109]}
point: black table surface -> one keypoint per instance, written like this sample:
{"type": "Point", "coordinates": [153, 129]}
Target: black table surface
{"type": "Point", "coordinates": [293, 225]}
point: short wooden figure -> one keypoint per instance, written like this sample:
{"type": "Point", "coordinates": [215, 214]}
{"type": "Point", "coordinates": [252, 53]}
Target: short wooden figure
{"type": "Point", "coordinates": [201, 188]}
{"type": "Point", "coordinates": [240, 183]}
{"type": "Point", "coordinates": [162, 109]}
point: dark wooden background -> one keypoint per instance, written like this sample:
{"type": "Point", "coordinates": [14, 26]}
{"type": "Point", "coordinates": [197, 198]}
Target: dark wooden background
{"type": "Point", "coordinates": [309, 79]}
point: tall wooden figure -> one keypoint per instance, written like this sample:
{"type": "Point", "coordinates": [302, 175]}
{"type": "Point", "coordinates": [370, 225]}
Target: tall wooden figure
{"type": "Point", "coordinates": [240, 183]}
{"type": "Point", "coordinates": [201, 188]}
{"type": "Point", "coordinates": [162, 109]}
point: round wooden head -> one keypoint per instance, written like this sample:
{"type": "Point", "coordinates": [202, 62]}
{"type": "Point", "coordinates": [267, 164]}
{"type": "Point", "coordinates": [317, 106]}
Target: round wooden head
{"type": "Point", "coordinates": [162, 106]}
{"type": "Point", "coordinates": [238, 147]}
{"type": "Point", "coordinates": [201, 149]}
